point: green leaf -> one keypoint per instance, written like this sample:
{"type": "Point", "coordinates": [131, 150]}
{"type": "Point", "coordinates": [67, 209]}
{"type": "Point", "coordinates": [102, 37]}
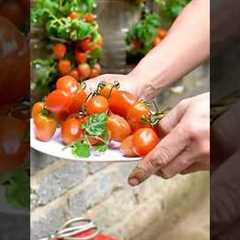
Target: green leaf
{"type": "Point", "coordinates": [102, 148]}
{"type": "Point", "coordinates": [96, 53]}
{"type": "Point", "coordinates": [96, 125]}
{"type": "Point", "coordinates": [81, 149]}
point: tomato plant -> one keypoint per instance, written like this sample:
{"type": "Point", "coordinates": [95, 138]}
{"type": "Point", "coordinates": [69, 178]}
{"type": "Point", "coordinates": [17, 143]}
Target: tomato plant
{"type": "Point", "coordinates": [144, 140]}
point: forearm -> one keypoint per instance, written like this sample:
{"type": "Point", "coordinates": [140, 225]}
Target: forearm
{"type": "Point", "coordinates": [185, 47]}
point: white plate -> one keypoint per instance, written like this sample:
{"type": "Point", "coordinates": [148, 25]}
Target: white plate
{"type": "Point", "coordinates": [56, 148]}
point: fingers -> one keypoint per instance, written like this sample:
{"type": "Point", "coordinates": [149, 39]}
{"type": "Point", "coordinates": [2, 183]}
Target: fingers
{"type": "Point", "coordinates": [167, 150]}
{"type": "Point", "coordinates": [197, 166]}
{"type": "Point", "coordinates": [180, 163]}
{"type": "Point", "coordinates": [173, 117]}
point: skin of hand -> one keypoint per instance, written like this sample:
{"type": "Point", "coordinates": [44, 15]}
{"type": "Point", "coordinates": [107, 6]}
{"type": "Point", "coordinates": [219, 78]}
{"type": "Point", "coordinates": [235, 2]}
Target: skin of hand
{"type": "Point", "coordinates": [186, 145]}
{"type": "Point", "coordinates": [186, 45]}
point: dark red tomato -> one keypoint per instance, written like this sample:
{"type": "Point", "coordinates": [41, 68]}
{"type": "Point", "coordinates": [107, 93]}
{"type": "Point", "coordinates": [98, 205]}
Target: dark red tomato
{"type": "Point", "coordinates": [61, 116]}
{"type": "Point", "coordinates": [136, 113]}
{"type": "Point", "coordinates": [144, 140]}
{"type": "Point", "coordinates": [68, 84]}
{"type": "Point", "coordinates": [84, 44]}
{"type": "Point", "coordinates": [13, 143]}
{"type": "Point", "coordinates": [13, 11]}
{"type": "Point", "coordinates": [71, 130]}
{"type": "Point", "coordinates": [59, 51]}
{"type": "Point", "coordinates": [58, 101]}
{"type": "Point", "coordinates": [136, 44]}
{"type": "Point", "coordinates": [78, 100]}
{"type": "Point", "coordinates": [97, 104]}
{"type": "Point", "coordinates": [118, 127]}
{"type": "Point", "coordinates": [14, 67]}
{"type": "Point", "coordinates": [80, 57]}
{"type": "Point", "coordinates": [120, 102]}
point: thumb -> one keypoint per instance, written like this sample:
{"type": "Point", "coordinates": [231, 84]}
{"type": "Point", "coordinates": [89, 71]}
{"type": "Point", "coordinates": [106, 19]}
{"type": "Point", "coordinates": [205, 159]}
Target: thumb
{"type": "Point", "coordinates": [166, 151]}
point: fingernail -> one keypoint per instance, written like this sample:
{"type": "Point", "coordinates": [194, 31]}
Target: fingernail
{"type": "Point", "coordinates": [133, 182]}
{"type": "Point", "coordinates": [137, 176]}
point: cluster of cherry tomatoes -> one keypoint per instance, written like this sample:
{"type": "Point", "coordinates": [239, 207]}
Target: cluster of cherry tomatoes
{"type": "Point", "coordinates": [79, 67]}
{"type": "Point", "coordinates": [128, 119]}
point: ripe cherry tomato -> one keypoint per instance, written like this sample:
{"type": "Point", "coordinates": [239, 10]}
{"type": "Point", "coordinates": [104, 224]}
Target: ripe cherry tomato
{"type": "Point", "coordinates": [14, 67]}
{"type": "Point", "coordinates": [59, 51]}
{"type": "Point", "coordinates": [156, 41]}
{"type": "Point", "coordinates": [45, 127]}
{"type": "Point", "coordinates": [94, 73]}
{"type": "Point", "coordinates": [37, 109]}
{"type": "Point", "coordinates": [80, 57]}
{"type": "Point", "coordinates": [71, 130]}
{"type": "Point", "coordinates": [74, 73]}
{"type": "Point", "coordinates": [162, 33]}
{"type": "Point", "coordinates": [118, 127]}
{"type": "Point", "coordinates": [97, 104]}
{"type": "Point", "coordinates": [84, 44]}
{"type": "Point", "coordinates": [89, 18]}
{"type": "Point", "coordinates": [13, 141]}
{"type": "Point", "coordinates": [120, 102]}
{"type": "Point", "coordinates": [64, 67]}
{"type": "Point", "coordinates": [74, 15]}
{"type": "Point", "coordinates": [107, 89]}
{"type": "Point", "coordinates": [78, 100]}
{"type": "Point", "coordinates": [84, 70]}
{"type": "Point", "coordinates": [58, 101]}
{"type": "Point", "coordinates": [136, 44]}
{"type": "Point", "coordinates": [68, 84]}
{"type": "Point", "coordinates": [61, 116]}
{"type": "Point", "coordinates": [136, 113]}
{"type": "Point", "coordinates": [144, 140]}
{"type": "Point", "coordinates": [126, 147]}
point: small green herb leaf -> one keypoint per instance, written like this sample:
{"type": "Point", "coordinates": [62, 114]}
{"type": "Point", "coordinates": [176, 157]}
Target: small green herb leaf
{"type": "Point", "coordinates": [101, 148]}
{"type": "Point", "coordinates": [81, 149]}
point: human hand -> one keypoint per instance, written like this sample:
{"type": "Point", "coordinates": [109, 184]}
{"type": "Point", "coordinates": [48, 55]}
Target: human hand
{"type": "Point", "coordinates": [127, 83]}
{"type": "Point", "coordinates": [186, 146]}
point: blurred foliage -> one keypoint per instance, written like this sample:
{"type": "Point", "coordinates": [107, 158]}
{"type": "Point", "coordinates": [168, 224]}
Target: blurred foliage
{"type": "Point", "coordinates": [171, 8]}
{"type": "Point", "coordinates": [144, 31]}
